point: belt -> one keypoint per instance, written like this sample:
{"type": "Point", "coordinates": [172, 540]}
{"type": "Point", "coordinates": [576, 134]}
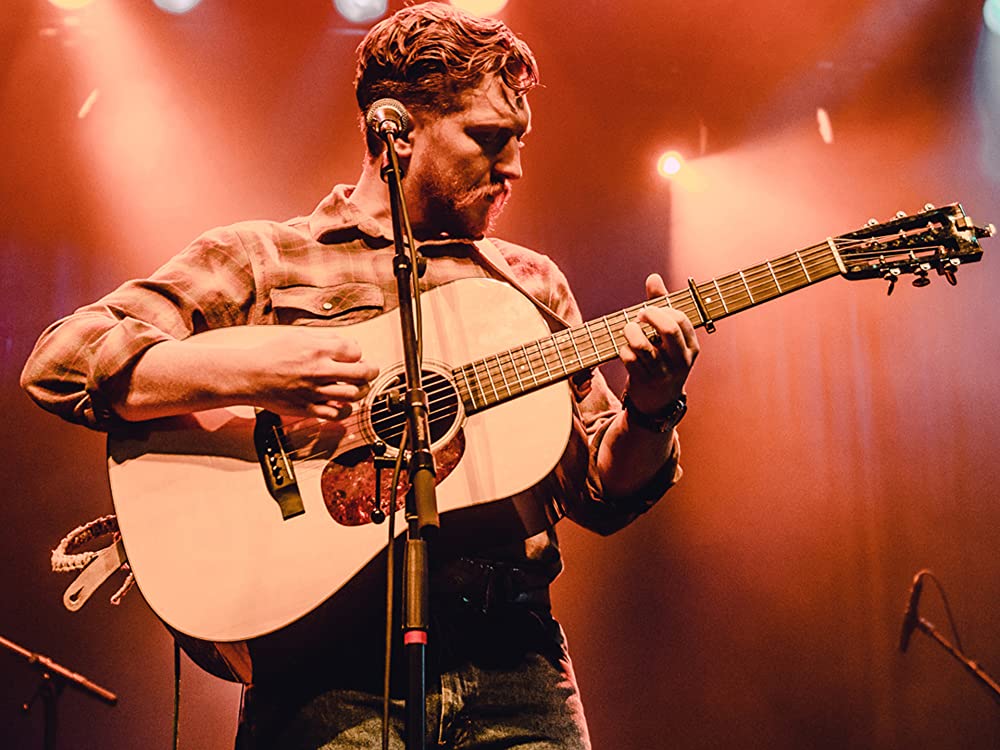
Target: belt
{"type": "Point", "coordinates": [490, 586]}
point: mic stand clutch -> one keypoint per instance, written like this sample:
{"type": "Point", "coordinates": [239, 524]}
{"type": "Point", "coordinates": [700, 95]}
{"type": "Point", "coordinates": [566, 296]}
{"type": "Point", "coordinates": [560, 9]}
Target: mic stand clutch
{"type": "Point", "coordinates": [421, 505]}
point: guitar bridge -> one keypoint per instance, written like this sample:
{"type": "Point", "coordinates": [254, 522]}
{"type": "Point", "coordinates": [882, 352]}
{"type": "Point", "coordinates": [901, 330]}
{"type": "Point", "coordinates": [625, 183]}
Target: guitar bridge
{"type": "Point", "coordinates": [279, 474]}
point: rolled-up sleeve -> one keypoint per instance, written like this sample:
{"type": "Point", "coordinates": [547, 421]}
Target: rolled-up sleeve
{"type": "Point", "coordinates": [594, 508]}
{"type": "Point", "coordinates": [579, 491]}
{"type": "Point", "coordinates": [78, 360]}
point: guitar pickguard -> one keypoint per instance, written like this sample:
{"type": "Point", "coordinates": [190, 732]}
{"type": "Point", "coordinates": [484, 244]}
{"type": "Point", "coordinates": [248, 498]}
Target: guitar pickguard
{"type": "Point", "coordinates": [348, 482]}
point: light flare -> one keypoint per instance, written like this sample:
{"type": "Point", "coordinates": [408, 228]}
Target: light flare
{"type": "Point", "coordinates": [480, 7]}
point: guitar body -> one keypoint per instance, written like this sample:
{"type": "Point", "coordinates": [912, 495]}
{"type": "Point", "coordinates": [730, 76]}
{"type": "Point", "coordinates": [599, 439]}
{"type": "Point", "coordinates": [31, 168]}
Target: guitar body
{"type": "Point", "coordinates": [208, 544]}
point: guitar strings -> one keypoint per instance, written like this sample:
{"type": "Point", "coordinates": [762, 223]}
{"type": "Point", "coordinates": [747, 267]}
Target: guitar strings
{"type": "Point", "coordinates": [756, 284]}
{"type": "Point", "coordinates": [764, 279]}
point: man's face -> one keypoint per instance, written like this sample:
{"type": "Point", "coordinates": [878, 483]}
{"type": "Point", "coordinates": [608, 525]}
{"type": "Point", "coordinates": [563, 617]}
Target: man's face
{"type": "Point", "coordinates": [462, 164]}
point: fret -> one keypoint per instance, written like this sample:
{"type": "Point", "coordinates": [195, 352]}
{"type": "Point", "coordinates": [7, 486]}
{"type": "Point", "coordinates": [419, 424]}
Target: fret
{"type": "Point", "coordinates": [774, 276]}
{"type": "Point", "coordinates": [791, 270]}
{"type": "Point", "coordinates": [593, 343]}
{"type": "Point", "coordinates": [468, 387]}
{"type": "Point", "coordinates": [527, 361]}
{"type": "Point", "coordinates": [548, 372]}
{"type": "Point", "coordinates": [475, 373]}
{"type": "Point", "coordinates": [610, 332]}
{"type": "Point", "coordinates": [804, 269]}
{"type": "Point", "coordinates": [517, 374]}
{"type": "Point", "coordinates": [722, 297]}
{"type": "Point", "coordinates": [502, 375]}
{"type": "Point", "coordinates": [579, 358]}
{"type": "Point", "coordinates": [493, 385]}
{"type": "Point", "coordinates": [562, 362]}
{"type": "Point", "coordinates": [749, 293]}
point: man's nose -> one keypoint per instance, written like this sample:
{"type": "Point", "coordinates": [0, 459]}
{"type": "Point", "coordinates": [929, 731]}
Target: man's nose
{"type": "Point", "coordinates": [509, 162]}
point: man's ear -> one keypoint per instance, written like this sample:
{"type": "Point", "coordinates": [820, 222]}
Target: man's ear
{"type": "Point", "coordinates": [404, 145]}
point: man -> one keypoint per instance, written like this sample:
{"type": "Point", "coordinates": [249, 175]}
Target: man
{"type": "Point", "coordinates": [499, 672]}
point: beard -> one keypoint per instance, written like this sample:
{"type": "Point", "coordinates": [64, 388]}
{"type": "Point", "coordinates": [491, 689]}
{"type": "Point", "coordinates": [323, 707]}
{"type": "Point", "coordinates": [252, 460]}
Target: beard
{"type": "Point", "coordinates": [461, 211]}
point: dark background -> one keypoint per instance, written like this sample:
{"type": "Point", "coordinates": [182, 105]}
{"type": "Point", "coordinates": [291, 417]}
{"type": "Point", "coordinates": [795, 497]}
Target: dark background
{"type": "Point", "coordinates": [838, 440]}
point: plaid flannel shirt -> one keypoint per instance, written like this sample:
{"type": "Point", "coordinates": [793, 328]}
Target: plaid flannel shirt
{"type": "Point", "coordinates": [332, 267]}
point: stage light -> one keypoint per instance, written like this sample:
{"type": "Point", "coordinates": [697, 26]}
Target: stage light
{"type": "Point", "coordinates": [670, 164]}
{"type": "Point", "coordinates": [825, 125]}
{"type": "Point", "coordinates": [991, 15]}
{"type": "Point", "coordinates": [71, 4]}
{"type": "Point", "coordinates": [480, 7]}
{"type": "Point", "coordinates": [360, 11]}
{"type": "Point", "coordinates": [176, 6]}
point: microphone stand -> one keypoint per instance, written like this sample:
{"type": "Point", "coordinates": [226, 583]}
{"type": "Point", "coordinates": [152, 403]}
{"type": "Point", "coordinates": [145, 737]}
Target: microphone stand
{"type": "Point", "coordinates": [54, 677]}
{"type": "Point", "coordinates": [421, 501]}
{"type": "Point", "coordinates": [971, 667]}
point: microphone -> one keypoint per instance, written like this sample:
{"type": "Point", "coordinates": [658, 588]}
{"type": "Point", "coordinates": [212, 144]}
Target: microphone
{"type": "Point", "coordinates": [387, 116]}
{"type": "Point", "coordinates": [910, 616]}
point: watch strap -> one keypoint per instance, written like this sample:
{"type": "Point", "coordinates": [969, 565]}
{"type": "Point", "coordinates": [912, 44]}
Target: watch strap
{"type": "Point", "coordinates": [663, 421]}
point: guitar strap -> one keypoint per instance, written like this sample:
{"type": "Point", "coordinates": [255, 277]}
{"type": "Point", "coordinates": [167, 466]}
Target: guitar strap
{"type": "Point", "coordinates": [494, 261]}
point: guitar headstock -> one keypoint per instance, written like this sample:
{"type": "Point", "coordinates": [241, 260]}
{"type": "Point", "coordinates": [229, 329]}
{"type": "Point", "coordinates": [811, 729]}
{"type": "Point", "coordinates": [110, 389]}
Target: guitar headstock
{"type": "Point", "coordinates": [938, 239]}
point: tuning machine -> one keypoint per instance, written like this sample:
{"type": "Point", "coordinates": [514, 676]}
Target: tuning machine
{"type": "Point", "coordinates": [948, 269]}
{"type": "Point", "coordinates": [892, 276]}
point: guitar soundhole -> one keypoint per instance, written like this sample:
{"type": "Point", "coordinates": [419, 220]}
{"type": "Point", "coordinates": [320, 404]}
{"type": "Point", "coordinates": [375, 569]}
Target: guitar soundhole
{"type": "Point", "coordinates": [388, 416]}
{"type": "Point", "coordinates": [348, 481]}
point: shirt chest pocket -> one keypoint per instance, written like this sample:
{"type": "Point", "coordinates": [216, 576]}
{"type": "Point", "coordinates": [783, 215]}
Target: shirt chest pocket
{"type": "Point", "coordinates": [336, 305]}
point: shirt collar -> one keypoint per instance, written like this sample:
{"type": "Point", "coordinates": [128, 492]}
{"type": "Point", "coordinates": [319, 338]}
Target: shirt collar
{"type": "Point", "coordinates": [336, 213]}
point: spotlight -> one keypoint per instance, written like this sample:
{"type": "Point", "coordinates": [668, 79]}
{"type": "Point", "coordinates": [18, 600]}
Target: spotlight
{"type": "Point", "coordinates": [177, 7]}
{"type": "Point", "coordinates": [480, 7]}
{"type": "Point", "coordinates": [670, 164]}
{"type": "Point", "coordinates": [71, 4]}
{"type": "Point", "coordinates": [991, 15]}
{"type": "Point", "coordinates": [360, 11]}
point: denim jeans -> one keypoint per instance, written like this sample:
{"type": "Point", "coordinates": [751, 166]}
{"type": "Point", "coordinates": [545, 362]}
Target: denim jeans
{"type": "Point", "coordinates": [495, 680]}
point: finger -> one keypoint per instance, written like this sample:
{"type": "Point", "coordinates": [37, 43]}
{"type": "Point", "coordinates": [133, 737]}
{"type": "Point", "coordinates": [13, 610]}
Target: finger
{"type": "Point", "coordinates": [690, 337]}
{"type": "Point", "coordinates": [340, 348]}
{"type": "Point", "coordinates": [342, 392]}
{"type": "Point", "coordinates": [356, 373]}
{"type": "Point", "coordinates": [331, 410]}
{"type": "Point", "coordinates": [655, 286]}
{"type": "Point", "coordinates": [638, 342]}
{"type": "Point", "coordinates": [673, 327]}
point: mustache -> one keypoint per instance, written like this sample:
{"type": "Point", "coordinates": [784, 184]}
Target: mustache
{"type": "Point", "coordinates": [495, 192]}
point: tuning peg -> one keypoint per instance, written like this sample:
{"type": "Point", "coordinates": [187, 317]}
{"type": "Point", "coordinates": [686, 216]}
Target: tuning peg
{"type": "Point", "coordinates": [920, 272]}
{"type": "Point", "coordinates": [900, 214]}
{"type": "Point", "coordinates": [892, 276]}
{"type": "Point", "coordinates": [872, 222]}
{"type": "Point", "coordinates": [928, 207]}
{"type": "Point", "coordinates": [949, 271]}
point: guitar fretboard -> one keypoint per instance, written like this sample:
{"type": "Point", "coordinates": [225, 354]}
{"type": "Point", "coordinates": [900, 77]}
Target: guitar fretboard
{"type": "Point", "coordinates": [509, 374]}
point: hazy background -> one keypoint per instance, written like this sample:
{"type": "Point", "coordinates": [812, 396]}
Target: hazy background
{"type": "Point", "coordinates": [838, 440]}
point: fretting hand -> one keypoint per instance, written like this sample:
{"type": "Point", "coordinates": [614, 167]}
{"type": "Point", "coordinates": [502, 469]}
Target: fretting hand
{"type": "Point", "coordinates": [658, 365]}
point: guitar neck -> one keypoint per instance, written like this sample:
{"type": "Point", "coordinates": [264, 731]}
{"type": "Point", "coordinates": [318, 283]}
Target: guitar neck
{"type": "Point", "coordinates": [509, 374]}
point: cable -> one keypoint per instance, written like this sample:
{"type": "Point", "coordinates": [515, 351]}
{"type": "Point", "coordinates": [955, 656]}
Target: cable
{"type": "Point", "coordinates": [177, 694]}
{"type": "Point", "coordinates": [389, 589]}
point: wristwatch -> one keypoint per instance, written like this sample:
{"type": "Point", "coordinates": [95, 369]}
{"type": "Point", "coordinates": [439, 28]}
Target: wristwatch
{"type": "Point", "coordinates": [663, 421]}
